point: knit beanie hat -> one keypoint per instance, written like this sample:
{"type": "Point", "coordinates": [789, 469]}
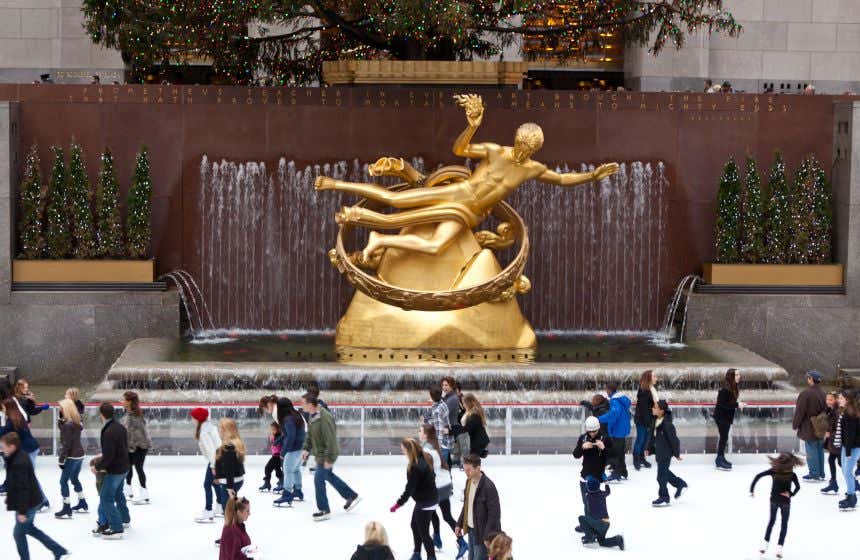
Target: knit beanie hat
{"type": "Point", "coordinates": [592, 424]}
{"type": "Point", "coordinates": [200, 414]}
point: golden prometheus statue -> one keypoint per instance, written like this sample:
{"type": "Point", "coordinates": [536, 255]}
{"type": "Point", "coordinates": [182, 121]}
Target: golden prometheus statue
{"type": "Point", "coordinates": [435, 291]}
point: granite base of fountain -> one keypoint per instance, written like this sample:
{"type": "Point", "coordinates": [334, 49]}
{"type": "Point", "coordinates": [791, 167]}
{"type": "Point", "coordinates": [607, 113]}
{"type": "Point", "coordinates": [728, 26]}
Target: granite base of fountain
{"type": "Point", "coordinates": [149, 366]}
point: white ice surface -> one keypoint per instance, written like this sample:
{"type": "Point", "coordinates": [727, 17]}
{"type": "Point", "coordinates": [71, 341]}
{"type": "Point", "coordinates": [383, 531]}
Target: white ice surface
{"type": "Point", "coordinates": [540, 499]}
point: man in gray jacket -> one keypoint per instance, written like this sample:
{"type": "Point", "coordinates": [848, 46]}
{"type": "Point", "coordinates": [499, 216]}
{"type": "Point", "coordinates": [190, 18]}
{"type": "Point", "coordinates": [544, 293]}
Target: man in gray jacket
{"type": "Point", "coordinates": [460, 441]}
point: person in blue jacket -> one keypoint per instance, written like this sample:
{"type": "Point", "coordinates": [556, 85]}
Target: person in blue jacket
{"type": "Point", "coordinates": [292, 439]}
{"type": "Point", "coordinates": [617, 421]}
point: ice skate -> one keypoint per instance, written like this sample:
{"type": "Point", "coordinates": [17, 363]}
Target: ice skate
{"type": "Point", "coordinates": [762, 550]}
{"type": "Point", "coordinates": [286, 500]}
{"type": "Point", "coordinates": [589, 542]}
{"type": "Point", "coordinates": [99, 530]}
{"type": "Point", "coordinates": [266, 487]}
{"type": "Point", "coordinates": [322, 515]}
{"type": "Point", "coordinates": [831, 489]}
{"type": "Point", "coordinates": [462, 547]}
{"type": "Point", "coordinates": [298, 496]}
{"type": "Point", "coordinates": [621, 542]}
{"type": "Point", "coordinates": [350, 504]}
{"type": "Point", "coordinates": [110, 534]}
{"type": "Point", "coordinates": [779, 552]}
{"type": "Point", "coordinates": [207, 516]}
{"type": "Point", "coordinates": [128, 491]}
{"type": "Point", "coordinates": [679, 491]}
{"type": "Point", "coordinates": [437, 541]}
{"type": "Point", "coordinates": [849, 503]}
{"type": "Point", "coordinates": [66, 512]}
{"type": "Point", "coordinates": [142, 498]}
{"type": "Point", "coordinates": [81, 506]}
{"type": "Point", "coordinates": [662, 501]}
{"type": "Point", "coordinates": [279, 488]}
{"type": "Point", "coordinates": [722, 464]}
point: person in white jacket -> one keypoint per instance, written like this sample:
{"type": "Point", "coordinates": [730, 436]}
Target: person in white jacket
{"type": "Point", "coordinates": [444, 486]}
{"type": "Point", "coordinates": [208, 441]}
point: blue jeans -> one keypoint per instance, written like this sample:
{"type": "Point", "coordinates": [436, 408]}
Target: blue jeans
{"type": "Point", "coordinates": [815, 457]}
{"type": "Point", "coordinates": [848, 462]}
{"type": "Point", "coordinates": [323, 475]}
{"type": "Point", "coordinates": [293, 471]}
{"type": "Point", "coordinates": [641, 440]}
{"type": "Point", "coordinates": [112, 506]}
{"type": "Point", "coordinates": [207, 487]}
{"type": "Point", "coordinates": [27, 529]}
{"type": "Point", "coordinates": [71, 470]}
{"type": "Point", "coordinates": [477, 549]}
{"type": "Point", "coordinates": [665, 477]}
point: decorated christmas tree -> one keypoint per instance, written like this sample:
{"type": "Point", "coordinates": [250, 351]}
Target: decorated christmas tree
{"type": "Point", "coordinates": [752, 230]}
{"type": "Point", "coordinates": [31, 243]}
{"type": "Point", "coordinates": [108, 222]}
{"type": "Point", "coordinates": [58, 235]}
{"type": "Point", "coordinates": [802, 190]}
{"type": "Point", "coordinates": [727, 229]}
{"type": "Point", "coordinates": [821, 240]}
{"type": "Point", "coordinates": [139, 207]}
{"type": "Point", "coordinates": [778, 220]}
{"type": "Point", "coordinates": [83, 240]}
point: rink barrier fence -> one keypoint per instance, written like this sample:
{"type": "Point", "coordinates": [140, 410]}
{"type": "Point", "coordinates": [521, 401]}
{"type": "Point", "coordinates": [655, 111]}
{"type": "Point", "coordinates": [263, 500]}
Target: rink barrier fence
{"type": "Point", "coordinates": [503, 422]}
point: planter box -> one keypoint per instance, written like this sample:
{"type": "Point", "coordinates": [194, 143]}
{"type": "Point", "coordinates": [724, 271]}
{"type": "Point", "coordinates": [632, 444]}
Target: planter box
{"type": "Point", "coordinates": [773, 274]}
{"type": "Point", "coordinates": [129, 271]}
{"type": "Point", "coordinates": [435, 72]}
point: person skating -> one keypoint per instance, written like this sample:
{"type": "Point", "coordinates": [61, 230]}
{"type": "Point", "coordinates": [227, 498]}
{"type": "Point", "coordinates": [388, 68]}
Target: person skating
{"type": "Point", "coordinates": [208, 442]}
{"type": "Point", "coordinates": [71, 458]}
{"type": "Point", "coordinates": [810, 403]}
{"type": "Point", "coordinates": [593, 448]}
{"type": "Point", "coordinates": [724, 415]}
{"type": "Point", "coordinates": [24, 496]}
{"type": "Point", "coordinates": [440, 418]}
{"type": "Point", "coordinates": [481, 515]}
{"type": "Point", "coordinates": [834, 451]}
{"type": "Point", "coordinates": [115, 463]}
{"type": "Point", "coordinates": [785, 486]}
{"type": "Point", "coordinates": [646, 396]}
{"type": "Point", "coordinates": [595, 523]}
{"type": "Point", "coordinates": [321, 441]}
{"type": "Point", "coordinates": [617, 421]}
{"type": "Point", "coordinates": [375, 546]}
{"type": "Point", "coordinates": [27, 400]}
{"type": "Point", "coordinates": [138, 446]}
{"type": "Point", "coordinates": [229, 461]}
{"type": "Point", "coordinates": [474, 421]}
{"type": "Point", "coordinates": [273, 465]}
{"type": "Point", "coordinates": [235, 544]}
{"type": "Point", "coordinates": [848, 438]}
{"type": "Point", "coordinates": [293, 433]}
{"type": "Point", "coordinates": [664, 445]}
{"type": "Point", "coordinates": [444, 486]}
{"type": "Point", "coordinates": [16, 421]}
{"type": "Point", "coordinates": [421, 487]}
{"type": "Point", "coordinates": [452, 401]}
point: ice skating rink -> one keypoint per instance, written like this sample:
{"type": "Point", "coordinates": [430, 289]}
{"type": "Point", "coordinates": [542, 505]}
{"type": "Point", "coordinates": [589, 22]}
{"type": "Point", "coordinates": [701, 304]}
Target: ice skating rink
{"type": "Point", "coordinates": [715, 519]}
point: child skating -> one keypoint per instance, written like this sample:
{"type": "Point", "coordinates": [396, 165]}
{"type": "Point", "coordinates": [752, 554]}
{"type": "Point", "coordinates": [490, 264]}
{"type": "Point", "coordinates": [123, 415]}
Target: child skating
{"type": "Point", "coordinates": [274, 463]}
{"type": "Point", "coordinates": [595, 524]}
{"type": "Point", "coordinates": [664, 445]}
{"type": "Point", "coordinates": [785, 486]}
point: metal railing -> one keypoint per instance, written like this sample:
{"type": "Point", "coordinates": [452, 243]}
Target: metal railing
{"type": "Point", "coordinates": [373, 429]}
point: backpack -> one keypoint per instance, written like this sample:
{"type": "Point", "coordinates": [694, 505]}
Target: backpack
{"type": "Point", "coordinates": [820, 424]}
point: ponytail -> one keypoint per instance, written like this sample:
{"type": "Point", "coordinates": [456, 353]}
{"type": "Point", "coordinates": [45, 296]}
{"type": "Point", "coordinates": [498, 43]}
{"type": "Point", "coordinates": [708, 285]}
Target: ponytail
{"type": "Point", "coordinates": [232, 509]}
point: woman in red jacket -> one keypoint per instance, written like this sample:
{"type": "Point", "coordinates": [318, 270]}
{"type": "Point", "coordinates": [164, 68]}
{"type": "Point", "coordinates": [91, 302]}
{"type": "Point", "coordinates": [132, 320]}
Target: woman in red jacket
{"type": "Point", "coordinates": [235, 542]}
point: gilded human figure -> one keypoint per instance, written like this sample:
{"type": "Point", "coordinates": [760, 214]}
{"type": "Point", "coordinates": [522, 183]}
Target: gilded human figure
{"type": "Point", "coordinates": [454, 205]}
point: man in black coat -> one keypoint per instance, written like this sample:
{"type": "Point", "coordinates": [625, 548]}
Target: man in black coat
{"type": "Point", "coordinates": [23, 496]}
{"type": "Point", "coordinates": [114, 463]}
{"type": "Point", "coordinates": [481, 515]}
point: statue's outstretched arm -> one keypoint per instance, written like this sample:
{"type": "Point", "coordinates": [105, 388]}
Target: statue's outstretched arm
{"type": "Point", "coordinates": [474, 106]}
{"type": "Point", "coordinates": [573, 179]}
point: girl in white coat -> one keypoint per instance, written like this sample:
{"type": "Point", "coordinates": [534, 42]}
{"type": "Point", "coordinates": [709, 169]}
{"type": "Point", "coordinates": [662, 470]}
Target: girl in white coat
{"type": "Point", "coordinates": [208, 441]}
{"type": "Point", "coordinates": [444, 486]}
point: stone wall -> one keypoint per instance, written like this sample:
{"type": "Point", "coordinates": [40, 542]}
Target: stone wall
{"type": "Point", "coordinates": [47, 36]}
{"type": "Point", "coordinates": [789, 43]}
{"type": "Point", "coordinates": [66, 337]}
